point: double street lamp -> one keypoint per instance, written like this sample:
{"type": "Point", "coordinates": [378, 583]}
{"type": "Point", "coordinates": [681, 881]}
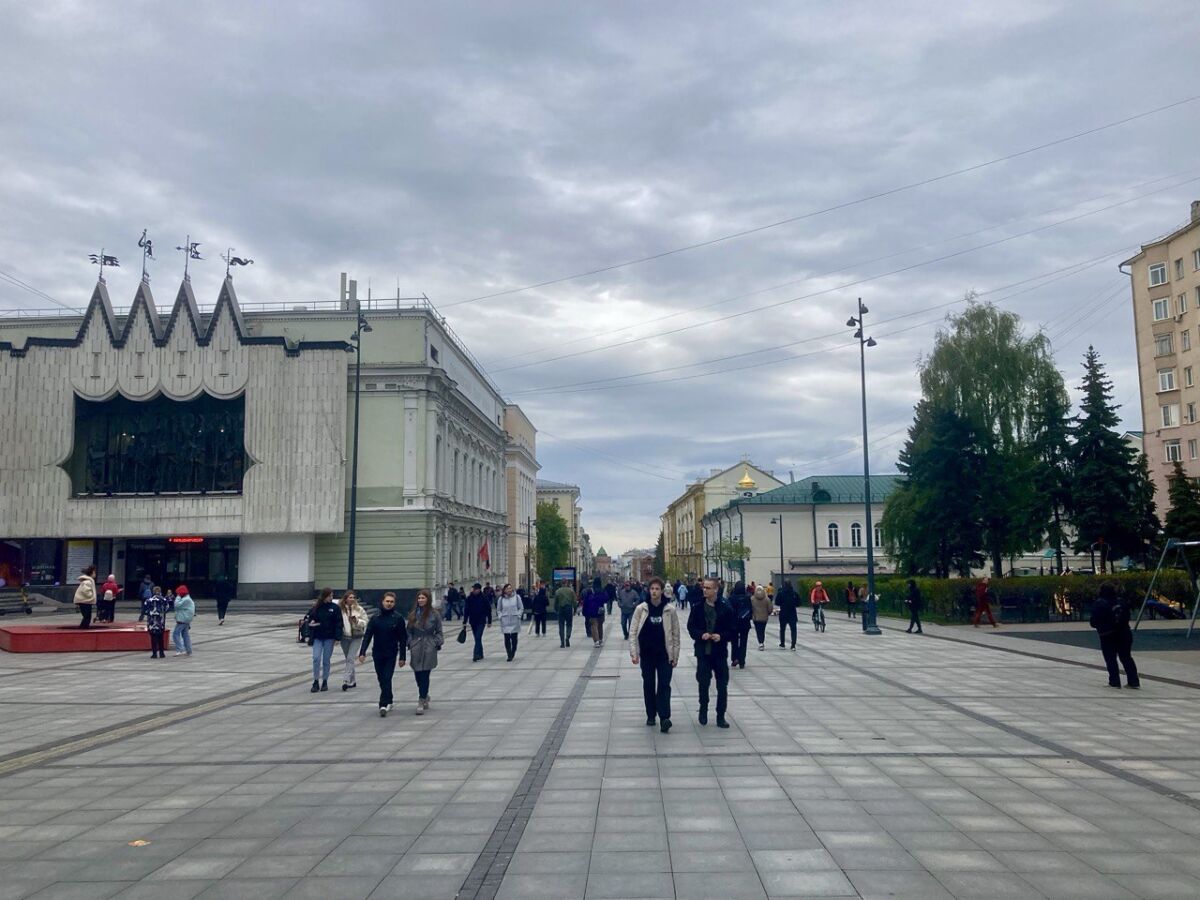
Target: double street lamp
{"type": "Point", "coordinates": [869, 625]}
{"type": "Point", "coordinates": [362, 327]}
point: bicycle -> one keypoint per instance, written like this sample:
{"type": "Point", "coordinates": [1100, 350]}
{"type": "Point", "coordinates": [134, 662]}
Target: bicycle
{"type": "Point", "coordinates": [818, 617]}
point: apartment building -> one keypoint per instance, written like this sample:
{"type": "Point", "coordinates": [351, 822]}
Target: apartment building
{"type": "Point", "coordinates": [1165, 282]}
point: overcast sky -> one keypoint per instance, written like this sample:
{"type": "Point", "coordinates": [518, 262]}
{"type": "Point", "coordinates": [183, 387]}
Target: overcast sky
{"type": "Point", "coordinates": [467, 149]}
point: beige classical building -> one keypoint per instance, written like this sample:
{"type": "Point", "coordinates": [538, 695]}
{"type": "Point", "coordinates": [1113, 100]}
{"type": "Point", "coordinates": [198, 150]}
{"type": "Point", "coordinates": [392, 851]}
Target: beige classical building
{"type": "Point", "coordinates": [520, 471]}
{"type": "Point", "coordinates": [1165, 281]}
{"type": "Point", "coordinates": [683, 536]}
{"type": "Point", "coordinates": [566, 498]}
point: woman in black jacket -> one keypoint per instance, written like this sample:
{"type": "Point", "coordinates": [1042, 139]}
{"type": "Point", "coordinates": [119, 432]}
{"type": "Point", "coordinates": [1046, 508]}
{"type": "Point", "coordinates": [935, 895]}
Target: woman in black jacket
{"type": "Point", "coordinates": [324, 630]}
{"type": "Point", "coordinates": [740, 601]}
{"type": "Point", "coordinates": [390, 636]}
{"type": "Point", "coordinates": [915, 604]}
{"type": "Point", "coordinates": [1110, 618]}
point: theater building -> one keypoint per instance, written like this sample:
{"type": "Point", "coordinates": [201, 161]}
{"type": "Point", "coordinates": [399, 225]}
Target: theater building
{"type": "Point", "coordinates": [214, 444]}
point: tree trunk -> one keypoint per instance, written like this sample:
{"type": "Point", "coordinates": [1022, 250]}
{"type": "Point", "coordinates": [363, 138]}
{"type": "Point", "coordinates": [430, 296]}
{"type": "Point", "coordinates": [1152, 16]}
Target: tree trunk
{"type": "Point", "coordinates": [997, 563]}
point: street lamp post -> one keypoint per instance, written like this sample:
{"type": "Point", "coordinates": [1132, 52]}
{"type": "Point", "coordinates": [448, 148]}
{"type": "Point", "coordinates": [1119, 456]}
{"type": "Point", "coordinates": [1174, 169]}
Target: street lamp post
{"type": "Point", "coordinates": [869, 625]}
{"type": "Point", "coordinates": [779, 521]}
{"type": "Point", "coordinates": [362, 327]}
{"type": "Point", "coordinates": [529, 553]}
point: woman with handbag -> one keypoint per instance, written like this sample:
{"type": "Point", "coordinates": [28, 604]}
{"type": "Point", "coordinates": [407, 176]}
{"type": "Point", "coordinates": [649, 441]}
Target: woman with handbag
{"type": "Point", "coordinates": [354, 626]}
{"type": "Point", "coordinates": [424, 642]}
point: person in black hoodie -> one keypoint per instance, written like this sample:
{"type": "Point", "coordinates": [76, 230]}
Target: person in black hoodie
{"type": "Point", "coordinates": [711, 624]}
{"type": "Point", "coordinates": [390, 635]}
{"type": "Point", "coordinates": [1110, 618]}
{"type": "Point", "coordinates": [478, 614]}
{"type": "Point", "coordinates": [739, 600]}
{"type": "Point", "coordinates": [787, 601]}
{"type": "Point", "coordinates": [914, 602]}
{"type": "Point", "coordinates": [541, 602]}
{"type": "Point", "coordinates": [324, 630]}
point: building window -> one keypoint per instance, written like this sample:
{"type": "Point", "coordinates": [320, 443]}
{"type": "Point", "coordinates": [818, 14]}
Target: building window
{"type": "Point", "coordinates": [1190, 409]}
{"type": "Point", "coordinates": [1162, 344]}
{"type": "Point", "coordinates": [1166, 379]}
{"type": "Point", "coordinates": [1173, 451]}
{"type": "Point", "coordinates": [1158, 274]}
{"type": "Point", "coordinates": [856, 535]}
{"type": "Point", "coordinates": [1193, 450]}
{"type": "Point", "coordinates": [878, 536]}
{"type": "Point", "coordinates": [1170, 415]}
{"type": "Point", "coordinates": [1196, 260]}
{"type": "Point", "coordinates": [1187, 376]}
{"type": "Point", "coordinates": [1162, 308]}
{"type": "Point", "coordinates": [832, 532]}
{"type": "Point", "coordinates": [1198, 296]}
{"type": "Point", "coordinates": [1179, 268]}
{"type": "Point", "coordinates": [1181, 303]}
{"type": "Point", "coordinates": [1185, 340]}
{"type": "Point", "coordinates": [433, 353]}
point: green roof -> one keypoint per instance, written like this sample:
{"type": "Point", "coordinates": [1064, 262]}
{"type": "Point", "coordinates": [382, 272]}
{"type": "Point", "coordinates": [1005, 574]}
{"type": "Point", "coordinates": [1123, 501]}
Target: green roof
{"type": "Point", "coordinates": [602, 552]}
{"type": "Point", "coordinates": [822, 489]}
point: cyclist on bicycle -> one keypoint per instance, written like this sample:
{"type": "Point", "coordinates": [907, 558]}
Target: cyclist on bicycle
{"type": "Point", "coordinates": [818, 598]}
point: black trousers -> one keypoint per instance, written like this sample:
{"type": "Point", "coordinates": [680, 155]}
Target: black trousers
{"type": "Point", "coordinates": [914, 620]}
{"type": "Point", "coordinates": [385, 668]}
{"type": "Point", "coordinates": [422, 683]}
{"type": "Point", "coordinates": [477, 630]}
{"type": "Point", "coordinates": [510, 645]}
{"type": "Point", "coordinates": [539, 623]}
{"type": "Point", "coordinates": [656, 687]}
{"type": "Point", "coordinates": [222, 608]}
{"type": "Point", "coordinates": [708, 665]}
{"type": "Point", "coordinates": [85, 615]}
{"type": "Point", "coordinates": [158, 642]}
{"type": "Point", "coordinates": [741, 637]}
{"type": "Point", "coordinates": [1118, 646]}
{"type": "Point", "coordinates": [787, 623]}
{"type": "Point", "coordinates": [565, 621]}
{"type": "Point", "coordinates": [760, 629]}
{"type": "Point", "coordinates": [105, 610]}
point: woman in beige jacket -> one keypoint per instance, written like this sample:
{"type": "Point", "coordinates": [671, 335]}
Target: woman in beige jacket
{"type": "Point", "coordinates": [85, 596]}
{"type": "Point", "coordinates": [654, 645]}
{"type": "Point", "coordinates": [761, 608]}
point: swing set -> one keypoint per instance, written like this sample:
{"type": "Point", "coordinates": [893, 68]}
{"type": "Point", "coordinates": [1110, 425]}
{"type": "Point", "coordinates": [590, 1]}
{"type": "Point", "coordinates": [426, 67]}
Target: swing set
{"type": "Point", "coordinates": [1180, 548]}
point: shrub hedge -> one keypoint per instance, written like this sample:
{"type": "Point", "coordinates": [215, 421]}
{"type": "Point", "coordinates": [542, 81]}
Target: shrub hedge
{"type": "Point", "coordinates": [1030, 599]}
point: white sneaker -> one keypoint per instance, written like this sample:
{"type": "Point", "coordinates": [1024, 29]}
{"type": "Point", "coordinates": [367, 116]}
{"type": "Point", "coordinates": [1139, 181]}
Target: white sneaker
{"type": "Point", "coordinates": [762, 646]}
{"type": "Point", "coordinates": [420, 709]}
{"type": "Point", "coordinates": [383, 711]}
{"type": "Point", "coordinates": [180, 653]}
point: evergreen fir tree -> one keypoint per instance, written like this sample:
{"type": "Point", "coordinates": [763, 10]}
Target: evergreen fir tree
{"type": "Point", "coordinates": [1183, 518]}
{"type": "Point", "coordinates": [1051, 447]}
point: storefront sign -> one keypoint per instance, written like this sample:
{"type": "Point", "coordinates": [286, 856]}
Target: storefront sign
{"type": "Point", "coordinates": [185, 540]}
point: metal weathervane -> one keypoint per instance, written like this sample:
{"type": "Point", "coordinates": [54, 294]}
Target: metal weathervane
{"type": "Point", "coordinates": [231, 260]}
{"type": "Point", "coordinates": [101, 259]}
{"type": "Point", "coordinates": [190, 251]}
{"type": "Point", "coordinates": [147, 246]}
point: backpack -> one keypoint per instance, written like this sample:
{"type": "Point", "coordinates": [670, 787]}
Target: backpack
{"type": "Point", "coordinates": [109, 596]}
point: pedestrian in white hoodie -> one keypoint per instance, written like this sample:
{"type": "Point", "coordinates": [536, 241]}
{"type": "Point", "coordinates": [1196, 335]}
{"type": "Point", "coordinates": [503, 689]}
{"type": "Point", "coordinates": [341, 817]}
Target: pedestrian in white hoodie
{"type": "Point", "coordinates": [510, 608]}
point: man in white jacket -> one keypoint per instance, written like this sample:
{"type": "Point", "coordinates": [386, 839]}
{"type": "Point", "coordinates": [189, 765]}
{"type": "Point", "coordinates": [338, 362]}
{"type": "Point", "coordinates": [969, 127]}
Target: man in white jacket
{"type": "Point", "coordinates": [654, 645]}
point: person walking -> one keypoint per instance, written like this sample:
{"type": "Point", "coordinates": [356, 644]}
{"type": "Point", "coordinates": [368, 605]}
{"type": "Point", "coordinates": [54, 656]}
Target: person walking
{"type": "Point", "coordinates": [710, 624]}
{"type": "Point", "coordinates": [851, 600]}
{"type": "Point", "coordinates": [1110, 618]}
{"type": "Point", "coordinates": [983, 602]}
{"type": "Point", "coordinates": [324, 630]}
{"type": "Point", "coordinates": [654, 645]}
{"type": "Point", "coordinates": [915, 603]}
{"type": "Point", "coordinates": [787, 601]}
{"type": "Point", "coordinates": [390, 637]}
{"type": "Point", "coordinates": [510, 610]}
{"type": "Point", "coordinates": [85, 596]}
{"type": "Point", "coordinates": [154, 611]}
{"type": "Point", "coordinates": [564, 609]}
{"type": "Point", "coordinates": [224, 592]}
{"type": "Point", "coordinates": [450, 603]}
{"type": "Point", "coordinates": [818, 597]}
{"type": "Point", "coordinates": [424, 642]}
{"type": "Point", "coordinates": [628, 599]}
{"type": "Point", "coordinates": [145, 591]}
{"type": "Point", "coordinates": [541, 603]}
{"type": "Point", "coordinates": [681, 594]}
{"type": "Point", "coordinates": [760, 612]}
{"type": "Point", "coordinates": [106, 608]}
{"type": "Point", "coordinates": [739, 599]}
{"type": "Point", "coordinates": [478, 615]}
{"type": "Point", "coordinates": [610, 597]}
{"type": "Point", "coordinates": [593, 612]}
{"type": "Point", "coordinates": [185, 612]}
{"type": "Point", "coordinates": [354, 628]}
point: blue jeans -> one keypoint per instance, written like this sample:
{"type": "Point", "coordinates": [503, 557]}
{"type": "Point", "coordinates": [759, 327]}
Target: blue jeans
{"type": "Point", "coordinates": [181, 637]}
{"type": "Point", "coordinates": [322, 656]}
{"type": "Point", "coordinates": [626, 618]}
{"type": "Point", "coordinates": [477, 631]}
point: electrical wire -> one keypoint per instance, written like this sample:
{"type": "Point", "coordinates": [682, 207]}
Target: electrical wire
{"type": "Point", "coordinates": [839, 206]}
{"type": "Point", "coordinates": [619, 460]}
{"type": "Point", "coordinates": [9, 278]}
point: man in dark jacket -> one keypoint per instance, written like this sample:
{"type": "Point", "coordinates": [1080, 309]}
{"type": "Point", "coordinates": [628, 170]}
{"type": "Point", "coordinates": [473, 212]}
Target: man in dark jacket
{"type": "Point", "coordinates": [914, 602]}
{"type": "Point", "coordinates": [390, 635]}
{"type": "Point", "coordinates": [478, 614]}
{"type": "Point", "coordinates": [541, 602]}
{"type": "Point", "coordinates": [1110, 618]}
{"type": "Point", "coordinates": [739, 601]}
{"type": "Point", "coordinates": [787, 601]}
{"type": "Point", "coordinates": [453, 603]}
{"type": "Point", "coordinates": [711, 624]}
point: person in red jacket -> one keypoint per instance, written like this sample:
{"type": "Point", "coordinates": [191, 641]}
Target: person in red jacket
{"type": "Point", "coordinates": [818, 598]}
{"type": "Point", "coordinates": [983, 603]}
{"type": "Point", "coordinates": [106, 605]}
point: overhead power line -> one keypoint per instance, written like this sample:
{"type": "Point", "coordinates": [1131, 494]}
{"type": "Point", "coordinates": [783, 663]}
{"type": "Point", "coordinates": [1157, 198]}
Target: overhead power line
{"type": "Point", "coordinates": [912, 185]}
{"type": "Point", "coordinates": [9, 278]}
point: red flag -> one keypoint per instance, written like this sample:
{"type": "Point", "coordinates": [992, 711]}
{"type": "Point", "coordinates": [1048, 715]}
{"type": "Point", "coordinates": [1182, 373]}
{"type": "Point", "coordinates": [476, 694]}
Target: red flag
{"type": "Point", "coordinates": [485, 556]}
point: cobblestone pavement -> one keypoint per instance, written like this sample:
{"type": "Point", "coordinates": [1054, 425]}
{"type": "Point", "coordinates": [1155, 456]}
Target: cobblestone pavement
{"type": "Point", "coordinates": [893, 766]}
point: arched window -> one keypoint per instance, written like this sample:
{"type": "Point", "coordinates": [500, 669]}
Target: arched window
{"type": "Point", "coordinates": [856, 539]}
{"type": "Point", "coordinates": [833, 534]}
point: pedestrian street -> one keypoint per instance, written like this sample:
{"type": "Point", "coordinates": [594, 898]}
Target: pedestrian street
{"type": "Point", "coordinates": [856, 766]}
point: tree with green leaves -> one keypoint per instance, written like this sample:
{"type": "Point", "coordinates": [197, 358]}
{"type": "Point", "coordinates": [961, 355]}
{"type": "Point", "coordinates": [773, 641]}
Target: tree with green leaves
{"type": "Point", "coordinates": [1183, 518]}
{"type": "Point", "coordinates": [660, 555]}
{"type": "Point", "coordinates": [1109, 503]}
{"type": "Point", "coordinates": [553, 541]}
{"type": "Point", "coordinates": [731, 553]}
{"type": "Point", "coordinates": [1050, 444]}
